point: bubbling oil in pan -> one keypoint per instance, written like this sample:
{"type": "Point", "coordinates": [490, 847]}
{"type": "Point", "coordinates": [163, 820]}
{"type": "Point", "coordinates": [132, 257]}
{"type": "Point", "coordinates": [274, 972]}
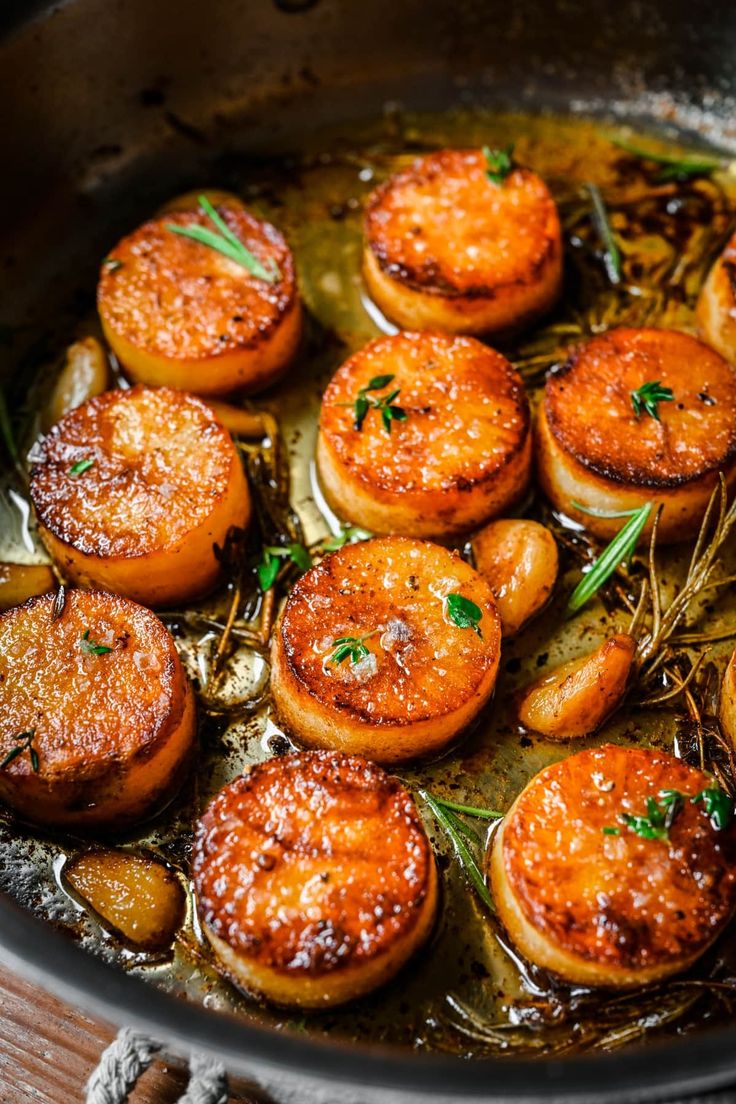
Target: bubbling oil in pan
{"type": "Point", "coordinates": [468, 993]}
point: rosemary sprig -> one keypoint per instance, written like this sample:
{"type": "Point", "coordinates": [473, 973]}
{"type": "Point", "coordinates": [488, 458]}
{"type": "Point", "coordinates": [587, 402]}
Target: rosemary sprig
{"type": "Point", "coordinates": [500, 163]}
{"type": "Point", "coordinates": [449, 824]}
{"type": "Point", "coordinates": [273, 555]}
{"type": "Point", "coordinates": [702, 564]}
{"type": "Point", "coordinates": [469, 810]}
{"type": "Point", "coordinates": [660, 816]}
{"type": "Point", "coordinates": [674, 167]}
{"type": "Point", "coordinates": [611, 252]}
{"type": "Point", "coordinates": [226, 242]}
{"type": "Point", "coordinates": [350, 647]}
{"type": "Point", "coordinates": [24, 742]}
{"type": "Point", "coordinates": [620, 549]}
{"type": "Point", "coordinates": [384, 405]}
{"type": "Point", "coordinates": [464, 613]}
{"type": "Point", "coordinates": [349, 534]}
{"type": "Point", "coordinates": [91, 647]}
{"type": "Point", "coordinates": [647, 397]}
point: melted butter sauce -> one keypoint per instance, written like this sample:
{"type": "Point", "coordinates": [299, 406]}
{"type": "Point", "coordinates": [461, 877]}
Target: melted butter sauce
{"type": "Point", "coordinates": [468, 992]}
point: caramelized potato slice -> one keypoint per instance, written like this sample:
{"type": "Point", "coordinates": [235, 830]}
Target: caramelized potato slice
{"type": "Point", "coordinates": [86, 373]}
{"type": "Point", "coordinates": [135, 896]}
{"type": "Point", "coordinates": [134, 492]}
{"type": "Point", "coordinates": [583, 894]}
{"type": "Point", "coordinates": [367, 658]}
{"type": "Point", "coordinates": [447, 248]}
{"type": "Point", "coordinates": [594, 450]}
{"type": "Point", "coordinates": [576, 698]}
{"type": "Point", "coordinates": [19, 582]}
{"type": "Point", "coordinates": [179, 313]}
{"type": "Point", "coordinates": [97, 701]}
{"type": "Point", "coordinates": [462, 454]}
{"type": "Point", "coordinates": [314, 878]}
{"type": "Point", "coordinates": [519, 559]}
{"type": "Point", "coordinates": [716, 310]}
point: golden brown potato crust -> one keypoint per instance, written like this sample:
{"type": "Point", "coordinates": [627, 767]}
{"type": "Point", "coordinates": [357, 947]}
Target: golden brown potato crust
{"type": "Point", "coordinates": [166, 485]}
{"type": "Point", "coordinates": [589, 411]}
{"type": "Point", "coordinates": [620, 901]}
{"type": "Point", "coordinates": [441, 226]}
{"type": "Point", "coordinates": [173, 297]}
{"type": "Point", "coordinates": [312, 864]}
{"type": "Point", "coordinates": [463, 453]}
{"type": "Point", "coordinates": [421, 670]}
{"type": "Point", "coordinates": [112, 731]}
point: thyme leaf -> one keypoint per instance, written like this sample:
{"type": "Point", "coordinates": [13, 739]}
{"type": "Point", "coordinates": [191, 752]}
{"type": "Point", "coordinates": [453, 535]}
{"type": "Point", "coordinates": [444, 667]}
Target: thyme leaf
{"type": "Point", "coordinates": [271, 560]}
{"type": "Point", "coordinates": [91, 647]}
{"type": "Point", "coordinates": [660, 816]}
{"type": "Point", "coordinates": [719, 806]}
{"type": "Point", "coordinates": [24, 742]}
{"type": "Point", "coordinates": [464, 613]}
{"type": "Point", "coordinates": [611, 252]}
{"type": "Point", "coordinates": [648, 396]}
{"type": "Point", "coordinates": [81, 466]}
{"type": "Point", "coordinates": [349, 534]}
{"type": "Point", "coordinates": [620, 549]}
{"type": "Point", "coordinates": [500, 163]}
{"type": "Point", "coordinates": [449, 824]}
{"type": "Point", "coordinates": [224, 241]}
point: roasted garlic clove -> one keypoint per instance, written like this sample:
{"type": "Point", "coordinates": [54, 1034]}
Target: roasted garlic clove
{"type": "Point", "coordinates": [519, 559]}
{"type": "Point", "coordinates": [575, 698]}
{"type": "Point", "coordinates": [19, 582]}
{"type": "Point", "coordinates": [84, 375]}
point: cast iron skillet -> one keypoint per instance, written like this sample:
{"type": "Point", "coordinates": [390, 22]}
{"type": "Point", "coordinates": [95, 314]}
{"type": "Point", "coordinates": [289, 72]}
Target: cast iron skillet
{"type": "Point", "coordinates": [111, 106]}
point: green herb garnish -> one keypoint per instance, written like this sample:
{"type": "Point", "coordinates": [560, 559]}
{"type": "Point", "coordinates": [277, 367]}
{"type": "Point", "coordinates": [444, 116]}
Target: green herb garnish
{"type": "Point", "coordinates": [350, 647]}
{"type": "Point", "coordinates": [349, 534]}
{"type": "Point", "coordinates": [24, 742]}
{"type": "Point", "coordinates": [674, 167]}
{"type": "Point", "coordinates": [611, 252]}
{"type": "Point", "coordinates": [500, 163]}
{"type": "Point", "coordinates": [270, 563]}
{"type": "Point", "coordinates": [620, 549]}
{"type": "Point", "coordinates": [660, 816]}
{"type": "Point", "coordinates": [719, 806]}
{"type": "Point", "coordinates": [81, 466]}
{"type": "Point", "coordinates": [91, 647]}
{"type": "Point", "coordinates": [611, 831]}
{"type": "Point", "coordinates": [456, 833]}
{"type": "Point", "coordinates": [226, 242]}
{"type": "Point", "coordinates": [464, 613]}
{"type": "Point", "coordinates": [469, 810]}
{"type": "Point", "coordinates": [385, 405]}
{"type": "Point", "coordinates": [112, 264]}
{"type": "Point", "coordinates": [648, 396]}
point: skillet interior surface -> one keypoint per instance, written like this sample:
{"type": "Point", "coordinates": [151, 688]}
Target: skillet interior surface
{"type": "Point", "coordinates": [104, 190]}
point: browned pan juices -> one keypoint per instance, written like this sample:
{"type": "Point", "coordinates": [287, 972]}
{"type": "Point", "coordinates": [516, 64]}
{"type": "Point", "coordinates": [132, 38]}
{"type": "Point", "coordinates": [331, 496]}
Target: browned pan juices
{"type": "Point", "coordinates": [467, 993]}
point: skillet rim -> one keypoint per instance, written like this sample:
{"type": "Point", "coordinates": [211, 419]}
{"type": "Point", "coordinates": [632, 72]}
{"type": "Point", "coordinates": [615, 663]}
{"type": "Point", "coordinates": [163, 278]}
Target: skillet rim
{"type": "Point", "coordinates": [649, 1072]}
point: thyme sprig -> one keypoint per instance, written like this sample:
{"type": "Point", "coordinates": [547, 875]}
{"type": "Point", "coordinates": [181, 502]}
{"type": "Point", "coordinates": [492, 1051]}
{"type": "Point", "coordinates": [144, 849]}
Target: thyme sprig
{"type": "Point", "coordinates": [611, 251]}
{"type": "Point", "coordinates": [621, 548]}
{"type": "Point", "coordinates": [458, 834]}
{"type": "Point", "coordinates": [385, 405]}
{"type": "Point", "coordinates": [350, 647]}
{"type": "Point", "coordinates": [273, 557]}
{"type": "Point", "coordinates": [224, 241]}
{"type": "Point", "coordinates": [500, 163]}
{"type": "Point", "coordinates": [647, 397]}
{"type": "Point", "coordinates": [24, 742]}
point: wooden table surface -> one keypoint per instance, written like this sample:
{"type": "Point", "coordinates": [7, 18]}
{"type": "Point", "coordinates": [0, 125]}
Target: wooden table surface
{"type": "Point", "coordinates": [48, 1050]}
